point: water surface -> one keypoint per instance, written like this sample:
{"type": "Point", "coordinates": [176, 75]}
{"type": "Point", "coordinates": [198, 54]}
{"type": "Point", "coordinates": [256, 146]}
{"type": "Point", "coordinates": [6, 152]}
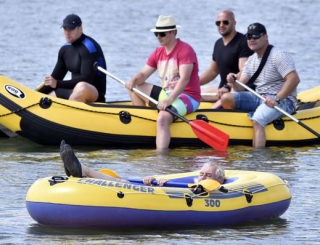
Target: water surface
{"type": "Point", "coordinates": [29, 42]}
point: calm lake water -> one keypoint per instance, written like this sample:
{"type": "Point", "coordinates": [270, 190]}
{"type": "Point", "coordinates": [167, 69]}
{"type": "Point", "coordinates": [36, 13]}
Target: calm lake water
{"type": "Point", "coordinates": [29, 42]}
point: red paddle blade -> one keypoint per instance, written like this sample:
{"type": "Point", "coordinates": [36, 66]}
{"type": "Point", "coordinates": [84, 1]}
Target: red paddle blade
{"type": "Point", "coordinates": [210, 135]}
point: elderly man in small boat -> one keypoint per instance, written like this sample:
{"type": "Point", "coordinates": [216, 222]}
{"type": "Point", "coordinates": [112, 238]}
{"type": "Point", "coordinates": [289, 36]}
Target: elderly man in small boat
{"type": "Point", "coordinates": [74, 168]}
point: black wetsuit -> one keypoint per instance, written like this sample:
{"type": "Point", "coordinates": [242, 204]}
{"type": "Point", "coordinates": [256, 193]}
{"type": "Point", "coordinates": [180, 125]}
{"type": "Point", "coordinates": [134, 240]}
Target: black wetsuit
{"type": "Point", "coordinates": [79, 58]}
{"type": "Point", "coordinates": [227, 57]}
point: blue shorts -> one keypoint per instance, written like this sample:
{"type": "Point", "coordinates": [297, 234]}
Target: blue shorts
{"type": "Point", "coordinates": [184, 104]}
{"type": "Point", "coordinates": [258, 110]}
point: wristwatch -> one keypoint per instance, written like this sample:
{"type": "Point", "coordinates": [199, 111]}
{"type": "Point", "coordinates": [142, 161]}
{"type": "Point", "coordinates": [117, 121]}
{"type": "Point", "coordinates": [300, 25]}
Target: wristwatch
{"type": "Point", "coordinates": [227, 87]}
{"type": "Point", "coordinates": [277, 99]}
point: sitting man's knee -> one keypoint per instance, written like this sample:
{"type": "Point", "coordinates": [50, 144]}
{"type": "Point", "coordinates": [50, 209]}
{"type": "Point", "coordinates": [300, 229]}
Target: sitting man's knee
{"type": "Point", "coordinates": [227, 101]}
{"type": "Point", "coordinates": [164, 119]}
{"type": "Point", "coordinates": [256, 124]}
{"type": "Point", "coordinates": [81, 86]}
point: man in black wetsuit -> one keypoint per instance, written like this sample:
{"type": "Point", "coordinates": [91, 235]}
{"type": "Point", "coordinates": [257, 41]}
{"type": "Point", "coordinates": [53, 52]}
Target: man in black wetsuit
{"type": "Point", "coordinates": [230, 53]}
{"type": "Point", "coordinates": [77, 56]}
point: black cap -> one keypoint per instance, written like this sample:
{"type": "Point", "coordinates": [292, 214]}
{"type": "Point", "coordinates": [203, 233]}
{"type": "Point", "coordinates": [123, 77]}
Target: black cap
{"type": "Point", "coordinates": [72, 21]}
{"type": "Point", "coordinates": [256, 28]}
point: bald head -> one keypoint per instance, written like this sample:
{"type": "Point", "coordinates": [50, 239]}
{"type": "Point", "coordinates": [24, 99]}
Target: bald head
{"type": "Point", "coordinates": [227, 13]}
{"type": "Point", "coordinates": [226, 23]}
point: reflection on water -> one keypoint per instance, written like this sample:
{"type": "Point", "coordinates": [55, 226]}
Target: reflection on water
{"type": "Point", "coordinates": [213, 232]}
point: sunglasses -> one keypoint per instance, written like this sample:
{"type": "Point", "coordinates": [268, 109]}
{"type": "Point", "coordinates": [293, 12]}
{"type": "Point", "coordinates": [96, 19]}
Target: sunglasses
{"type": "Point", "coordinates": [225, 22]}
{"type": "Point", "coordinates": [254, 36]}
{"type": "Point", "coordinates": [161, 34]}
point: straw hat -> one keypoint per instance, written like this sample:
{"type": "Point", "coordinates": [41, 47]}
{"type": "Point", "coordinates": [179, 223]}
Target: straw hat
{"type": "Point", "coordinates": [165, 23]}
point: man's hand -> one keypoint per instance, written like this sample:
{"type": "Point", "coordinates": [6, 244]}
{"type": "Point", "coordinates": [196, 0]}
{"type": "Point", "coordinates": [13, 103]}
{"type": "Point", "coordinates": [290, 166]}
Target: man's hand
{"type": "Point", "coordinates": [50, 81]}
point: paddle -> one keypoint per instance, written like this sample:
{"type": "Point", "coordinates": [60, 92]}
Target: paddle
{"type": "Point", "coordinates": [40, 86]}
{"type": "Point", "coordinates": [212, 136]}
{"type": "Point", "coordinates": [207, 184]}
{"type": "Point", "coordinates": [43, 89]}
{"type": "Point", "coordinates": [278, 108]}
{"type": "Point", "coordinates": [109, 172]}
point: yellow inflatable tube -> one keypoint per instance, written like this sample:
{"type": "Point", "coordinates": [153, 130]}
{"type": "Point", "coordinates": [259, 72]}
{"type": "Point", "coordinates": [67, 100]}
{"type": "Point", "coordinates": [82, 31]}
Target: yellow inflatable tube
{"type": "Point", "coordinates": [86, 202]}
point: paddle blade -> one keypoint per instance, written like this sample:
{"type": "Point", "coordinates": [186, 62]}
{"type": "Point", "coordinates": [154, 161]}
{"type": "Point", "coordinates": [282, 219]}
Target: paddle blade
{"type": "Point", "coordinates": [210, 135]}
{"type": "Point", "coordinates": [109, 172]}
{"type": "Point", "coordinates": [207, 184]}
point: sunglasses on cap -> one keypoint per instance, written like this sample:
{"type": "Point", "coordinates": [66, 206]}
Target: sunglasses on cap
{"type": "Point", "coordinates": [225, 22]}
{"type": "Point", "coordinates": [254, 36]}
{"type": "Point", "coordinates": [161, 34]}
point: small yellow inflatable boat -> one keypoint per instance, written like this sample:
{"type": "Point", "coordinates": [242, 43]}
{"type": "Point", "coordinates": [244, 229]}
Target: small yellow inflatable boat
{"type": "Point", "coordinates": [87, 202]}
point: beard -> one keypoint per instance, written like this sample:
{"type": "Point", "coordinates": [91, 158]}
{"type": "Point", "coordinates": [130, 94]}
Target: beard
{"type": "Point", "coordinates": [225, 34]}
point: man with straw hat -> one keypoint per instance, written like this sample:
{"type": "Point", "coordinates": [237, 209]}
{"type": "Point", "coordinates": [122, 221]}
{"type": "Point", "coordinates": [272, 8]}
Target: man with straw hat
{"type": "Point", "coordinates": [177, 66]}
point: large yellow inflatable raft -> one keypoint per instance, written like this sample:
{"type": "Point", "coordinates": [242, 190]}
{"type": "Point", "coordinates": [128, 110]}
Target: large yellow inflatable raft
{"type": "Point", "coordinates": [47, 120]}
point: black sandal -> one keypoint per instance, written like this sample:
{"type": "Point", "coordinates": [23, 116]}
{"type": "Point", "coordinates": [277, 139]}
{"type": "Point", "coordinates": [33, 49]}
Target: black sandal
{"type": "Point", "coordinates": [71, 163]}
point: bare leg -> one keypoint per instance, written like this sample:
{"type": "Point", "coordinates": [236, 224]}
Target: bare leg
{"type": "Point", "coordinates": [259, 138]}
{"type": "Point", "coordinates": [73, 167]}
{"type": "Point", "coordinates": [53, 94]}
{"type": "Point", "coordinates": [217, 105]}
{"type": "Point", "coordinates": [212, 90]}
{"type": "Point", "coordinates": [227, 101]}
{"type": "Point", "coordinates": [138, 99]}
{"type": "Point", "coordinates": [163, 131]}
{"type": "Point", "coordinates": [84, 92]}
{"type": "Point", "coordinates": [88, 172]}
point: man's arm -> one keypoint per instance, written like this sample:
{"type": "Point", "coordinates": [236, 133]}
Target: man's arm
{"type": "Point", "coordinates": [291, 82]}
{"type": "Point", "coordinates": [140, 77]}
{"type": "Point", "coordinates": [241, 63]}
{"type": "Point", "coordinates": [231, 82]}
{"type": "Point", "coordinates": [211, 73]}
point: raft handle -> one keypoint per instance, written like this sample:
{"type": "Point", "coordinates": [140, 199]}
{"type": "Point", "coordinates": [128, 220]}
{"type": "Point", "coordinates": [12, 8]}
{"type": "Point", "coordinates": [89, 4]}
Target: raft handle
{"type": "Point", "coordinates": [189, 200]}
{"type": "Point", "coordinates": [57, 179]}
{"type": "Point", "coordinates": [248, 195]}
{"type": "Point", "coordinates": [223, 189]}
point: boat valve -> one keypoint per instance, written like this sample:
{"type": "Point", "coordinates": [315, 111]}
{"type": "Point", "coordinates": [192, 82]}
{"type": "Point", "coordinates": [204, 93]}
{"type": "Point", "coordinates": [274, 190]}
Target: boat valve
{"type": "Point", "coordinates": [120, 194]}
{"type": "Point", "coordinates": [125, 117]}
{"type": "Point", "coordinates": [202, 117]}
{"type": "Point", "coordinates": [45, 102]}
{"type": "Point", "coordinates": [278, 124]}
